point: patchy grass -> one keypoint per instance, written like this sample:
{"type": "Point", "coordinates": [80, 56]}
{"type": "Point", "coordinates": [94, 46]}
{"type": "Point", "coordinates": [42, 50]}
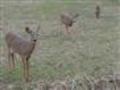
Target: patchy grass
{"type": "Point", "coordinates": [91, 49]}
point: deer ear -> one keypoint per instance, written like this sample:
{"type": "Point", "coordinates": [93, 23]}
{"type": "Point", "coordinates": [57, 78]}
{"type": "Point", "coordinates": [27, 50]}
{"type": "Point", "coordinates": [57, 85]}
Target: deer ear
{"type": "Point", "coordinates": [28, 30]}
{"type": "Point", "coordinates": [38, 28]}
{"type": "Point", "coordinates": [76, 15]}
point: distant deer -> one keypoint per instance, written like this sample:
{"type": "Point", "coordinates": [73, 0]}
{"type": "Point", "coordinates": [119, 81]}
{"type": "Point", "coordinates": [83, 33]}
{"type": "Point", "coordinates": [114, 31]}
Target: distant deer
{"type": "Point", "coordinates": [68, 19]}
{"type": "Point", "coordinates": [24, 48]}
{"type": "Point", "coordinates": [97, 12]}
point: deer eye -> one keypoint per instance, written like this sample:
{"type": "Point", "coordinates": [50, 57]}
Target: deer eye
{"type": "Point", "coordinates": [28, 30]}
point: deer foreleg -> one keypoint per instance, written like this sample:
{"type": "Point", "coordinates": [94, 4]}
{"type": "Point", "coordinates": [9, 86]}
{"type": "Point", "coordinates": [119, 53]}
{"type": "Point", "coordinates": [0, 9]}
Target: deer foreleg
{"type": "Point", "coordinates": [24, 72]}
{"type": "Point", "coordinates": [27, 70]}
{"type": "Point", "coordinates": [9, 59]}
{"type": "Point", "coordinates": [13, 60]}
{"type": "Point", "coordinates": [97, 15]}
{"type": "Point", "coordinates": [67, 29]}
{"type": "Point", "coordinates": [26, 64]}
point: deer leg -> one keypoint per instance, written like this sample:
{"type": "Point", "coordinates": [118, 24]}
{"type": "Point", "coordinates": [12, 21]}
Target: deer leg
{"type": "Point", "coordinates": [27, 70]}
{"type": "Point", "coordinates": [97, 15]}
{"type": "Point", "coordinates": [24, 72]}
{"type": "Point", "coordinates": [13, 60]}
{"type": "Point", "coordinates": [67, 29]}
{"type": "Point", "coordinates": [9, 59]}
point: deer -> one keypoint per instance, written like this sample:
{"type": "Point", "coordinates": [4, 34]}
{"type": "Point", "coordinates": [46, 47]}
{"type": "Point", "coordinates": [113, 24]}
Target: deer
{"type": "Point", "coordinates": [67, 19]}
{"type": "Point", "coordinates": [97, 12]}
{"type": "Point", "coordinates": [16, 44]}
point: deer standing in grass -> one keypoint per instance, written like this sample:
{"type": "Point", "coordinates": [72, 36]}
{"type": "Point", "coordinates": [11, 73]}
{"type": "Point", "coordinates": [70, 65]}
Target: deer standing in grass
{"type": "Point", "coordinates": [68, 19]}
{"type": "Point", "coordinates": [24, 48]}
{"type": "Point", "coordinates": [97, 12]}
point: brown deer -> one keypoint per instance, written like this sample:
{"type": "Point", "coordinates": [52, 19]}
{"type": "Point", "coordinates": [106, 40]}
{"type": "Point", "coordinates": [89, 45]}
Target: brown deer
{"type": "Point", "coordinates": [68, 19]}
{"type": "Point", "coordinates": [97, 12]}
{"type": "Point", "coordinates": [24, 48]}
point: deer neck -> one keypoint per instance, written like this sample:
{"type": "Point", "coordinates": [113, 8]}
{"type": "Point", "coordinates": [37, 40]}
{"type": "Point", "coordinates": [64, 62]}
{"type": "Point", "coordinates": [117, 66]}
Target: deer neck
{"type": "Point", "coordinates": [33, 44]}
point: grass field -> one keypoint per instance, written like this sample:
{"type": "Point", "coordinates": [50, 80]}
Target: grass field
{"type": "Point", "coordinates": [91, 49]}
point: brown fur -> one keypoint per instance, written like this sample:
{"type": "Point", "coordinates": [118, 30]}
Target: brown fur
{"type": "Point", "coordinates": [22, 47]}
{"type": "Point", "coordinates": [68, 19]}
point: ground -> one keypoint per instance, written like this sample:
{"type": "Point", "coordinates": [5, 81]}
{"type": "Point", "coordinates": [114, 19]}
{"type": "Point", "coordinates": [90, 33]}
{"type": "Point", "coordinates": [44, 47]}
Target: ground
{"type": "Point", "coordinates": [91, 49]}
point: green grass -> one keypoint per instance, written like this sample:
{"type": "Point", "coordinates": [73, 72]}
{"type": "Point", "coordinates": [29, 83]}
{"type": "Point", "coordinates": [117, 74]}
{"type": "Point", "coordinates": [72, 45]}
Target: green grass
{"type": "Point", "coordinates": [92, 49]}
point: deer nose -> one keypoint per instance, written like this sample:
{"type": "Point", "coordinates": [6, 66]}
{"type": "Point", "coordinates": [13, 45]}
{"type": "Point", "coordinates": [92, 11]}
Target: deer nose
{"type": "Point", "coordinates": [35, 40]}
